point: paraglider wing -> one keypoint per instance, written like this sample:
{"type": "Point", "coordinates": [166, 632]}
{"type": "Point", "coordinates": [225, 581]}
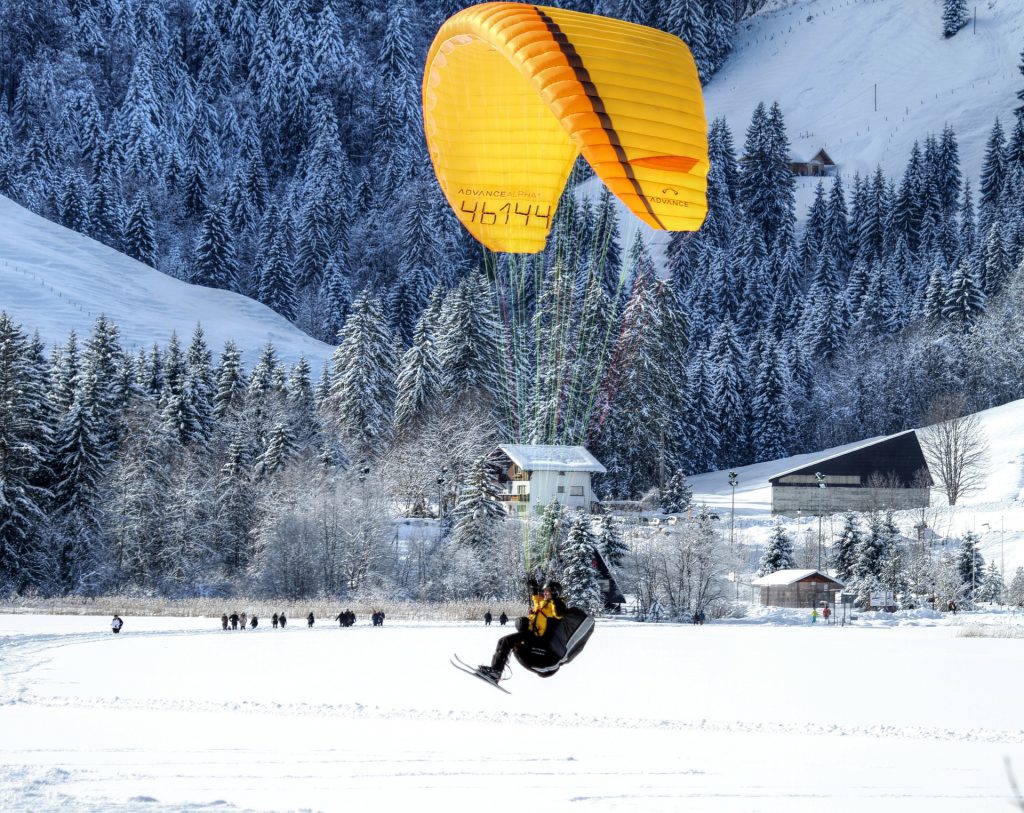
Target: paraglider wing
{"type": "Point", "coordinates": [513, 93]}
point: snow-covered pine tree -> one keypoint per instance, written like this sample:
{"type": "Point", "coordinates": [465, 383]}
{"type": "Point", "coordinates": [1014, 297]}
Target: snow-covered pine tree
{"type": "Point", "coordinates": [231, 383]}
{"type": "Point", "coordinates": [419, 377]}
{"type": "Point", "coordinates": [276, 283]}
{"type": "Point", "coordinates": [846, 546]}
{"type": "Point", "coordinates": [580, 586]}
{"type": "Point", "coordinates": [954, 16]}
{"type": "Point", "coordinates": [468, 342]}
{"type": "Point", "coordinates": [362, 397]}
{"type": "Point", "coordinates": [970, 563]}
{"type": "Point", "coordinates": [303, 422]}
{"type": "Point", "coordinates": [778, 551]}
{"type": "Point", "coordinates": [23, 464]}
{"type": "Point", "coordinates": [772, 425]}
{"type": "Point", "coordinates": [965, 299]}
{"type": "Point", "coordinates": [609, 541]}
{"type": "Point", "coordinates": [728, 388]}
{"type": "Point", "coordinates": [992, 587]}
{"type": "Point", "coordinates": [479, 510]}
{"type": "Point", "coordinates": [1015, 593]}
{"type": "Point", "coordinates": [214, 265]}
{"type": "Point", "coordinates": [139, 232]}
{"type": "Point", "coordinates": [993, 178]}
{"type": "Point", "coordinates": [676, 495]}
{"type": "Point", "coordinates": [275, 457]}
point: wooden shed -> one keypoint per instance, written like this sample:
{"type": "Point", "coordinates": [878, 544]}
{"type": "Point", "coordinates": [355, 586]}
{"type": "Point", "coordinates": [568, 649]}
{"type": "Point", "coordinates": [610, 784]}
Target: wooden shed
{"type": "Point", "coordinates": [798, 588]}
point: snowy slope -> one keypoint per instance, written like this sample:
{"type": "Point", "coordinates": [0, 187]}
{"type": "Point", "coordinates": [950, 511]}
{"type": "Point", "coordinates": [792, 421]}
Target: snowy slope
{"type": "Point", "coordinates": [821, 59]}
{"type": "Point", "coordinates": [53, 279]}
{"type": "Point", "coordinates": [999, 503]}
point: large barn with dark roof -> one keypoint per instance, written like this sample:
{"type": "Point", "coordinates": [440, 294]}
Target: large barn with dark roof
{"type": "Point", "coordinates": [883, 473]}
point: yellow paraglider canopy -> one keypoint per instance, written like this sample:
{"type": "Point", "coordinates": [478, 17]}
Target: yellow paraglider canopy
{"type": "Point", "coordinates": [513, 93]}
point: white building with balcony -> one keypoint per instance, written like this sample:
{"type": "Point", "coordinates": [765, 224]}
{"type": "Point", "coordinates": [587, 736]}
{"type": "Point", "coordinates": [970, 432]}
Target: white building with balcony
{"type": "Point", "coordinates": [533, 476]}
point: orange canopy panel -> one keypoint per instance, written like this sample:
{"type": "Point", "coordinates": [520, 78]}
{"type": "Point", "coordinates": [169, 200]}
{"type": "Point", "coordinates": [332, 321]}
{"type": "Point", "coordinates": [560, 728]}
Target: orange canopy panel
{"type": "Point", "coordinates": [513, 93]}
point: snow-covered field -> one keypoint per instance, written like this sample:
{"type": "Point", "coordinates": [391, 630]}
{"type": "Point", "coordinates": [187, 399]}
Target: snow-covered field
{"type": "Point", "coordinates": [894, 713]}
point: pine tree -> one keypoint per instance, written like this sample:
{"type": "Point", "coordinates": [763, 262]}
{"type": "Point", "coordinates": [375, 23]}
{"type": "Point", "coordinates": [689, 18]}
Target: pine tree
{"type": "Point", "coordinates": [276, 283]}
{"type": "Point", "coordinates": [468, 339]}
{"type": "Point", "coordinates": [363, 389]}
{"type": "Point", "coordinates": [846, 547]}
{"type": "Point", "coordinates": [214, 265]}
{"type": "Point", "coordinates": [872, 550]}
{"type": "Point", "coordinates": [728, 387]}
{"type": "Point", "coordinates": [579, 573]}
{"type": "Point", "coordinates": [772, 415]}
{"type": "Point", "coordinates": [140, 233]}
{"type": "Point", "coordinates": [231, 384]}
{"type": "Point", "coordinates": [997, 265]}
{"type": "Point", "coordinates": [279, 450]}
{"type": "Point", "coordinates": [676, 495]}
{"type": "Point", "coordinates": [1015, 593]}
{"type": "Point", "coordinates": [970, 564]}
{"type": "Point", "coordinates": [965, 299]}
{"type": "Point", "coordinates": [609, 541]}
{"type": "Point", "coordinates": [954, 16]}
{"type": "Point", "coordinates": [935, 294]}
{"type": "Point", "coordinates": [778, 552]}
{"type": "Point", "coordinates": [479, 510]}
{"type": "Point", "coordinates": [22, 465]}
{"type": "Point", "coordinates": [993, 178]}
{"type": "Point", "coordinates": [419, 377]}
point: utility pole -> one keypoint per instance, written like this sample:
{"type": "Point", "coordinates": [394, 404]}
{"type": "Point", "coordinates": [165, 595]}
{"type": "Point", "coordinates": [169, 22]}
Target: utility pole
{"type": "Point", "coordinates": [821, 509]}
{"type": "Point", "coordinates": [733, 479]}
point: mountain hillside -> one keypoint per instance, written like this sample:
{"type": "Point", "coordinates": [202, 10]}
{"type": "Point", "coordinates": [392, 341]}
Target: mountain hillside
{"type": "Point", "coordinates": [822, 60]}
{"type": "Point", "coordinates": [53, 279]}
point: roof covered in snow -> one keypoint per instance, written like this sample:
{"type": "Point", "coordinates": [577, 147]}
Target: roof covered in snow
{"type": "Point", "coordinates": [783, 578]}
{"type": "Point", "coordinates": [552, 458]}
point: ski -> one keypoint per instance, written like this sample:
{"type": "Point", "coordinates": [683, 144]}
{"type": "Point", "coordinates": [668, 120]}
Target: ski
{"type": "Point", "coordinates": [462, 666]}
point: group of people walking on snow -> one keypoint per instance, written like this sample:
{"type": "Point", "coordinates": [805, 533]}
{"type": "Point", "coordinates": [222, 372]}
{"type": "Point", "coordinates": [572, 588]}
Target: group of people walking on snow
{"type": "Point", "coordinates": [346, 618]}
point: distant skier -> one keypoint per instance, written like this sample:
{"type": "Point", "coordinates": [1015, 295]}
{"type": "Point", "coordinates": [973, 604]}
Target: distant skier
{"type": "Point", "coordinates": [487, 618]}
{"type": "Point", "coordinates": [115, 624]}
{"type": "Point", "coordinates": [224, 621]}
{"type": "Point", "coordinates": [282, 620]}
{"type": "Point", "coordinates": [241, 620]}
{"type": "Point", "coordinates": [814, 616]}
{"type": "Point", "coordinates": [827, 614]}
{"type": "Point", "coordinates": [254, 622]}
{"type": "Point", "coordinates": [273, 620]}
{"type": "Point", "coordinates": [310, 620]}
{"type": "Point", "coordinates": [503, 619]}
{"type": "Point", "coordinates": [233, 618]}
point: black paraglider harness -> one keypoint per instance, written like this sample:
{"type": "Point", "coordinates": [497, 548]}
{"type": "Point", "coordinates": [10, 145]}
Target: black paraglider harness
{"type": "Point", "coordinates": [562, 641]}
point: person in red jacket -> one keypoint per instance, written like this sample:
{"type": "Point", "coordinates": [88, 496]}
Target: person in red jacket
{"type": "Point", "coordinates": [546, 607]}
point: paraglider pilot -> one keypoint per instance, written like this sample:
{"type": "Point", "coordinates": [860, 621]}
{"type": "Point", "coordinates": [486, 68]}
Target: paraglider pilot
{"type": "Point", "coordinates": [546, 607]}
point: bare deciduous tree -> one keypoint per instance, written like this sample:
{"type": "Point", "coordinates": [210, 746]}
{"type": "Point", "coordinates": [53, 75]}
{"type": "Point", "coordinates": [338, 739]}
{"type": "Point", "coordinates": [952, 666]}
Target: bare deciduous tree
{"type": "Point", "coordinates": [955, 447]}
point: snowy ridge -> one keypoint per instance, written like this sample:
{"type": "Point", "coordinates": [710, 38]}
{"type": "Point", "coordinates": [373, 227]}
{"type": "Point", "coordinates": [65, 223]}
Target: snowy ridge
{"type": "Point", "coordinates": [53, 280]}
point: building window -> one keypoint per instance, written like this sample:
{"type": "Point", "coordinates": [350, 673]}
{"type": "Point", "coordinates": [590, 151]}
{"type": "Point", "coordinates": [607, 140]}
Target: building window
{"type": "Point", "coordinates": [520, 490]}
{"type": "Point", "coordinates": [561, 489]}
{"type": "Point", "coordinates": [576, 491]}
{"type": "Point", "coordinates": [561, 474]}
